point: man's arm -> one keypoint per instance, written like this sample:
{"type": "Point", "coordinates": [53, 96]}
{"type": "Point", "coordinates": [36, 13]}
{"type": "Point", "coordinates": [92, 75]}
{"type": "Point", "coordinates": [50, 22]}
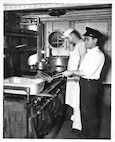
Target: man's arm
{"type": "Point", "coordinates": [82, 51]}
{"type": "Point", "coordinates": [91, 67]}
{"type": "Point", "coordinates": [73, 73]}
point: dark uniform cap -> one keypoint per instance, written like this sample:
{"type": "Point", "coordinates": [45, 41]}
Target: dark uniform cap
{"type": "Point", "coordinates": [92, 33]}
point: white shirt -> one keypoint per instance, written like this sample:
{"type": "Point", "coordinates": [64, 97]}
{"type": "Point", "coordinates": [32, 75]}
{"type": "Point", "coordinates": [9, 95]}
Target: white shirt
{"type": "Point", "coordinates": [92, 63]}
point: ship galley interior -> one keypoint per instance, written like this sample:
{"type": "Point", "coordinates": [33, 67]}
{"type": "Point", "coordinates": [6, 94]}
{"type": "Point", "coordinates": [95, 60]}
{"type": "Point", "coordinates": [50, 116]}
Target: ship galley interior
{"type": "Point", "coordinates": [36, 54]}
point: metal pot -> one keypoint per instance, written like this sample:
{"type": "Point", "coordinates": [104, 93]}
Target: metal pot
{"type": "Point", "coordinates": [58, 60]}
{"type": "Point", "coordinates": [58, 63]}
{"type": "Point", "coordinates": [41, 65]}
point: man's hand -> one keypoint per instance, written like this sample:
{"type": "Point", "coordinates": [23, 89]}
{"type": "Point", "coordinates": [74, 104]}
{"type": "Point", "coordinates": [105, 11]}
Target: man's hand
{"type": "Point", "coordinates": [76, 78]}
{"type": "Point", "coordinates": [67, 73]}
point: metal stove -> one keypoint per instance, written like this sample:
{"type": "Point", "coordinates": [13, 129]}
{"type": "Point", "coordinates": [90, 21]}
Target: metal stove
{"type": "Point", "coordinates": [34, 116]}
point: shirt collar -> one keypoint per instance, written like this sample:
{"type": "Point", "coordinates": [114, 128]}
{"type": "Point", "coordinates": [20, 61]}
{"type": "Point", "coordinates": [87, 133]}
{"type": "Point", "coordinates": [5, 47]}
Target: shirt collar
{"type": "Point", "coordinates": [93, 49]}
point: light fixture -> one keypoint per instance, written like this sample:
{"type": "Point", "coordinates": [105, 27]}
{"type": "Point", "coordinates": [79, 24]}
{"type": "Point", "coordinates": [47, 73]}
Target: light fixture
{"type": "Point", "coordinates": [56, 12]}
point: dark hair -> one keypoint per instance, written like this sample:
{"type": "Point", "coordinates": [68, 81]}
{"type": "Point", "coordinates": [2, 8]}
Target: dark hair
{"type": "Point", "coordinates": [76, 33]}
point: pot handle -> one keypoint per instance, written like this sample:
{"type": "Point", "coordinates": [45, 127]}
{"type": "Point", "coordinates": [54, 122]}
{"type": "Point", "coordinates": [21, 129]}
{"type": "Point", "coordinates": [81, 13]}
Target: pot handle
{"type": "Point", "coordinates": [57, 75]}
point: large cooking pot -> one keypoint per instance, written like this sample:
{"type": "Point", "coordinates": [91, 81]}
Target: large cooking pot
{"type": "Point", "coordinates": [58, 63]}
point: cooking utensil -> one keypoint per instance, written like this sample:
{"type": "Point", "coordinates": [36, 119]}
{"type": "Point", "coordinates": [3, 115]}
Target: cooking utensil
{"type": "Point", "coordinates": [58, 63]}
{"type": "Point", "coordinates": [44, 95]}
{"type": "Point", "coordinates": [58, 75]}
{"type": "Point", "coordinates": [44, 76]}
{"type": "Point", "coordinates": [58, 60]}
{"type": "Point", "coordinates": [41, 65]}
{"type": "Point", "coordinates": [15, 84]}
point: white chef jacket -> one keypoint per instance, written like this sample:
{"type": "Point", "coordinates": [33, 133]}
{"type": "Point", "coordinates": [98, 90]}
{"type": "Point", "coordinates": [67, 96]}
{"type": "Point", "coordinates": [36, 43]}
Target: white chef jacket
{"type": "Point", "coordinates": [92, 63]}
{"type": "Point", "coordinates": [72, 87]}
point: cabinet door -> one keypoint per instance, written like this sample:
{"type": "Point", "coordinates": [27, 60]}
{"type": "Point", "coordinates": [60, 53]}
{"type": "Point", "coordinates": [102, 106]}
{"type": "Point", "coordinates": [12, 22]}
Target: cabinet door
{"type": "Point", "coordinates": [15, 120]}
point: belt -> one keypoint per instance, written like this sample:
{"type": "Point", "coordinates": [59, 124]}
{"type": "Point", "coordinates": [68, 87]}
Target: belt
{"type": "Point", "coordinates": [86, 79]}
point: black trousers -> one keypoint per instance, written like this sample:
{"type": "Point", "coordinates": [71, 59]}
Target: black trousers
{"type": "Point", "coordinates": [89, 118]}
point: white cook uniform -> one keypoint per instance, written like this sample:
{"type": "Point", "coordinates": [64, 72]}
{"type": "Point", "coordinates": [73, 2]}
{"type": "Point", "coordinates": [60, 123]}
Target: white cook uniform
{"type": "Point", "coordinates": [72, 87]}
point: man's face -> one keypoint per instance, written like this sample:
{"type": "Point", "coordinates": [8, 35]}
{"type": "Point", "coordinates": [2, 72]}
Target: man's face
{"type": "Point", "coordinates": [90, 42]}
{"type": "Point", "coordinates": [70, 38]}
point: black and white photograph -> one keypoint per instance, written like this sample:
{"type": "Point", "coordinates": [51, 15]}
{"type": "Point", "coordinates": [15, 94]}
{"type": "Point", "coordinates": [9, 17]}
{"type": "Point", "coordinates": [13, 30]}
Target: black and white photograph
{"type": "Point", "coordinates": [57, 70]}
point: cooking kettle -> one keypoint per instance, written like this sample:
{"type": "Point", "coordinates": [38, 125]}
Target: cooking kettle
{"type": "Point", "coordinates": [42, 64]}
{"type": "Point", "coordinates": [58, 63]}
{"type": "Point", "coordinates": [58, 60]}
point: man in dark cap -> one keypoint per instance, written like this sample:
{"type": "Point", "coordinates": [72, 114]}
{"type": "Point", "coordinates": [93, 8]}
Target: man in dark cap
{"type": "Point", "coordinates": [89, 71]}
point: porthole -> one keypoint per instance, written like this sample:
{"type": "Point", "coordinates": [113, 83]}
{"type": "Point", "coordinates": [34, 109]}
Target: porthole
{"type": "Point", "coordinates": [56, 39]}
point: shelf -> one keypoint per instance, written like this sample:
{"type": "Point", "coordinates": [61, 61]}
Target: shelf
{"type": "Point", "coordinates": [21, 35]}
{"type": "Point", "coordinates": [19, 50]}
{"type": "Point", "coordinates": [20, 32]}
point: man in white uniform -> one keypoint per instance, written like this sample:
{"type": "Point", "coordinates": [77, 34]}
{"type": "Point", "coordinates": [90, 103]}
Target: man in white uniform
{"type": "Point", "coordinates": [77, 51]}
{"type": "Point", "coordinates": [89, 71]}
